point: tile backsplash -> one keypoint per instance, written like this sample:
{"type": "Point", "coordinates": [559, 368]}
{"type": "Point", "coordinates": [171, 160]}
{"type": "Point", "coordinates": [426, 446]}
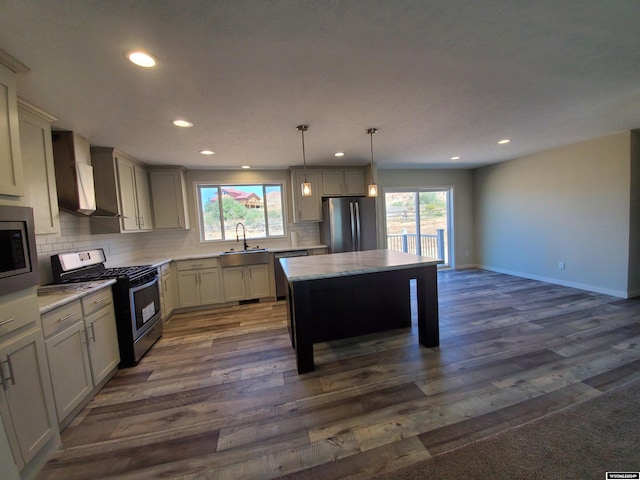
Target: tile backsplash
{"type": "Point", "coordinates": [123, 248]}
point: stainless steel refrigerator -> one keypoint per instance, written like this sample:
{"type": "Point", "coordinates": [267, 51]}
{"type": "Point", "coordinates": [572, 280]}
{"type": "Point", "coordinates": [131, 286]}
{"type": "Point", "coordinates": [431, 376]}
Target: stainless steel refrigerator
{"type": "Point", "coordinates": [349, 224]}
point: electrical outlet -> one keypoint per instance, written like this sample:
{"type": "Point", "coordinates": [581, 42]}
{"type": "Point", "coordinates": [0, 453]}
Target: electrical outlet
{"type": "Point", "coordinates": [561, 265]}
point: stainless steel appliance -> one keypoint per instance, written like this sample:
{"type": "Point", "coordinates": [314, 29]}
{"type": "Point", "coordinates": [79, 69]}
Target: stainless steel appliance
{"type": "Point", "coordinates": [74, 173]}
{"type": "Point", "coordinates": [349, 224]}
{"type": "Point", "coordinates": [135, 296]}
{"type": "Point", "coordinates": [281, 279]}
{"type": "Point", "coordinates": [18, 257]}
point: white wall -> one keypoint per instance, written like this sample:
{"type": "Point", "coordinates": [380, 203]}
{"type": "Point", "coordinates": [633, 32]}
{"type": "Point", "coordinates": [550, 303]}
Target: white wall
{"type": "Point", "coordinates": [463, 211]}
{"type": "Point", "coordinates": [121, 248]}
{"type": "Point", "coordinates": [571, 204]}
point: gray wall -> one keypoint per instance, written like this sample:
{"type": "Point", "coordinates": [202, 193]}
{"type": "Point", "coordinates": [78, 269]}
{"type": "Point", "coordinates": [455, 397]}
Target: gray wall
{"type": "Point", "coordinates": [462, 183]}
{"type": "Point", "coordinates": [571, 205]}
{"type": "Point", "coordinates": [634, 216]}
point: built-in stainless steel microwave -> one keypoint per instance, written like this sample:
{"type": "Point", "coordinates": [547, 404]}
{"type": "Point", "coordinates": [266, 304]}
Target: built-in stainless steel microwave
{"type": "Point", "coordinates": [18, 256]}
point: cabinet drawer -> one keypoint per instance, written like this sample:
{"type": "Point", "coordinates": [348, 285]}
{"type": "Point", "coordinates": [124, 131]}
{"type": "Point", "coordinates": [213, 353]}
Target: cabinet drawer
{"type": "Point", "coordinates": [18, 313]}
{"type": "Point", "coordinates": [196, 264]}
{"type": "Point", "coordinates": [61, 317]}
{"type": "Point", "coordinates": [164, 268]}
{"type": "Point", "coordinates": [96, 300]}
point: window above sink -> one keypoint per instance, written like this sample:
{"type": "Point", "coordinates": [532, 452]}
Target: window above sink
{"type": "Point", "coordinates": [259, 207]}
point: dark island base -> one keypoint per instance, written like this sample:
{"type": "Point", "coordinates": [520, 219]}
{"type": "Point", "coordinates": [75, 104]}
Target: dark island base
{"type": "Point", "coordinates": [340, 307]}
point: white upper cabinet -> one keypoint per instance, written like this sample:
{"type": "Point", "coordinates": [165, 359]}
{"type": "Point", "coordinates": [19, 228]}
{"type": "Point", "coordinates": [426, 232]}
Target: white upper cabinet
{"type": "Point", "coordinates": [122, 187]}
{"type": "Point", "coordinates": [306, 209]}
{"type": "Point", "coordinates": [11, 180]}
{"type": "Point", "coordinates": [336, 182]}
{"type": "Point", "coordinates": [169, 198]}
{"type": "Point", "coordinates": [37, 158]}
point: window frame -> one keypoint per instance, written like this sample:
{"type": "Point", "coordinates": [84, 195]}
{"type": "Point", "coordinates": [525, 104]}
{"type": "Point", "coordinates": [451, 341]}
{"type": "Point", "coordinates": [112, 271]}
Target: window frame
{"type": "Point", "coordinates": [198, 185]}
{"type": "Point", "coordinates": [450, 193]}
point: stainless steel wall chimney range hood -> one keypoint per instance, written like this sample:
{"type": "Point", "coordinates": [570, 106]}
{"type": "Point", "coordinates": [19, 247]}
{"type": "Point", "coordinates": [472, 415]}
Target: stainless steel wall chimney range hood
{"type": "Point", "coordinates": [74, 175]}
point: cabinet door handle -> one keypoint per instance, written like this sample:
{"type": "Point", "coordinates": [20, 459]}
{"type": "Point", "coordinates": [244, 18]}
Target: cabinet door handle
{"type": "Point", "coordinates": [66, 317]}
{"type": "Point", "coordinates": [93, 333]}
{"type": "Point", "coordinates": [3, 381]}
{"type": "Point", "coordinates": [4, 322]}
{"type": "Point", "coordinates": [11, 376]}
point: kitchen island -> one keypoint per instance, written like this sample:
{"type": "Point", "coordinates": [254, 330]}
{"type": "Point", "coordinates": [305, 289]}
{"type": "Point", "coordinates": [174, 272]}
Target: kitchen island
{"type": "Point", "coordinates": [354, 293]}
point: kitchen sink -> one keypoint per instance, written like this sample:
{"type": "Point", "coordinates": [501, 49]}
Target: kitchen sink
{"type": "Point", "coordinates": [234, 258]}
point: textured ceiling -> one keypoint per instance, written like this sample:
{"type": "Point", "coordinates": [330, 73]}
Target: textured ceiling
{"type": "Point", "coordinates": [437, 78]}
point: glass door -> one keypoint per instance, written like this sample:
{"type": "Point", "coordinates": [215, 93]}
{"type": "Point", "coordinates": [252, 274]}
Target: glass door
{"type": "Point", "coordinates": [418, 221]}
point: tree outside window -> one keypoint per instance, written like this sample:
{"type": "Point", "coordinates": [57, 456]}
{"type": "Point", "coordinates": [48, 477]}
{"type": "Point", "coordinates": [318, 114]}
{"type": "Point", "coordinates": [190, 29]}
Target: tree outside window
{"type": "Point", "coordinates": [259, 207]}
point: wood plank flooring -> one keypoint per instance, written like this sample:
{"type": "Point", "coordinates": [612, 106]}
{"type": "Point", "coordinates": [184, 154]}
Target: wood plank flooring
{"type": "Point", "coordinates": [218, 397]}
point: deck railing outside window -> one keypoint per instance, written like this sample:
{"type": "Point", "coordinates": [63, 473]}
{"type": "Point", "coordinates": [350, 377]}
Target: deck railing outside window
{"type": "Point", "coordinates": [428, 246]}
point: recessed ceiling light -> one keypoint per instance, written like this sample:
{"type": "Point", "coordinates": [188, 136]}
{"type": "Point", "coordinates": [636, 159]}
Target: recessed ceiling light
{"type": "Point", "coordinates": [207, 152]}
{"type": "Point", "coordinates": [142, 59]}
{"type": "Point", "coordinates": [455, 157]}
{"type": "Point", "coordinates": [504, 141]}
{"type": "Point", "coordinates": [246, 166]}
{"type": "Point", "coordinates": [338, 154]}
{"type": "Point", "coordinates": [182, 123]}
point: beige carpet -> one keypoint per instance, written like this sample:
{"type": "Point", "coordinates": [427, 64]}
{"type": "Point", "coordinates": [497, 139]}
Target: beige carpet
{"type": "Point", "coordinates": [580, 442]}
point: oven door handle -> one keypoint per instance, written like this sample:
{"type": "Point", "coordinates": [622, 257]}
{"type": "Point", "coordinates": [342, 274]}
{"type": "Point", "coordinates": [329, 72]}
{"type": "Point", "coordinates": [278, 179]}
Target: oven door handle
{"type": "Point", "coordinates": [140, 287]}
{"type": "Point", "coordinates": [132, 292]}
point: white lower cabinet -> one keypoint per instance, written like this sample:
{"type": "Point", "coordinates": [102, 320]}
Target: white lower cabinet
{"type": "Point", "coordinates": [246, 282]}
{"type": "Point", "coordinates": [69, 367]}
{"type": "Point", "coordinates": [198, 282]}
{"type": "Point", "coordinates": [233, 282]}
{"type": "Point", "coordinates": [102, 343]}
{"type": "Point", "coordinates": [7, 466]}
{"type": "Point", "coordinates": [258, 281]}
{"type": "Point", "coordinates": [66, 344]}
{"type": "Point", "coordinates": [26, 388]}
{"type": "Point", "coordinates": [26, 402]}
{"type": "Point", "coordinates": [167, 291]}
{"type": "Point", "coordinates": [81, 340]}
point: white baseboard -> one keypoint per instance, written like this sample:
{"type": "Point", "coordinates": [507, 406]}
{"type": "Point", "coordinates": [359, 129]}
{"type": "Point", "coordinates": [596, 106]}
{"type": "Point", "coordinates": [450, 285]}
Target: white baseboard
{"type": "Point", "coordinates": [581, 286]}
{"type": "Point", "coordinates": [468, 265]}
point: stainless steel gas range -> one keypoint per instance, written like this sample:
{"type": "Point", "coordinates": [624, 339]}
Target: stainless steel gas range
{"type": "Point", "coordinates": [135, 296]}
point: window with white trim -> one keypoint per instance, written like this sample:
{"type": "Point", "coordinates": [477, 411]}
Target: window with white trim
{"type": "Point", "coordinates": [259, 207]}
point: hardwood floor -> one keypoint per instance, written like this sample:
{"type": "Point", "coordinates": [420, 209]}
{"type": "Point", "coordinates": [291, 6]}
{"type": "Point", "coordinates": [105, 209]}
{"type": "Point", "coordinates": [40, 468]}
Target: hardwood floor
{"type": "Point", "coordinates": [219, 397]}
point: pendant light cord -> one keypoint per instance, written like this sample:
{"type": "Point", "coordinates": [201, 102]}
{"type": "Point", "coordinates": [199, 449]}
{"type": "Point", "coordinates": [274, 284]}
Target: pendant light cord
{"type": "Point", "coordinates": [371, 131]}
{"type": "Point", "coordinates": [304, 157]}
{"type": "Point", "coordinates": [303, 128]}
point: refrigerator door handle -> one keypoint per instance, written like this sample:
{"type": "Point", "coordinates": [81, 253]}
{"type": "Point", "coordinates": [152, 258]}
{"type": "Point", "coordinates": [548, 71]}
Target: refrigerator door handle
{"type": "Point", "coordinates": [358, 240]}
{"type": "Point", "coordinates": [353, 227]}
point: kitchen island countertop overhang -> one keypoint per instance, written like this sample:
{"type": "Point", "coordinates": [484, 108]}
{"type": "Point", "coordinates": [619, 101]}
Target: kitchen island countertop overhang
{"type": "Point", "coordinates": [354, 293]}
{"type": "Point", "coordinates": [351, 263]}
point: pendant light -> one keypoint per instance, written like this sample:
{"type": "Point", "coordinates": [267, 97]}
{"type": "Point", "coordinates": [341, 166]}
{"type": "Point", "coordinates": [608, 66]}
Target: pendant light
{"type": "Point", "coordinates": [305, 186]}
{"type": "Point", "coordinates": [372, 191]}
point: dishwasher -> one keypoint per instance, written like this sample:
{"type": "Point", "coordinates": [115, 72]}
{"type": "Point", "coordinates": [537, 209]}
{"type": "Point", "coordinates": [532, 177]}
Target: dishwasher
{"type": "Point", "coordinates": [281, 279]}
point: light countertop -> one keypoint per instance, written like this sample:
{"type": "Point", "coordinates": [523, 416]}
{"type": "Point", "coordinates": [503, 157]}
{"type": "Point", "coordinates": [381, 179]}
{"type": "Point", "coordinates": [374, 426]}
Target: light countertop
{"type": "Point", "coordinates": [157, 262]}
{"type": "Point", "coordinates": [51, 297]}
{"type": "Point", "coordinates": [351, 263]}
